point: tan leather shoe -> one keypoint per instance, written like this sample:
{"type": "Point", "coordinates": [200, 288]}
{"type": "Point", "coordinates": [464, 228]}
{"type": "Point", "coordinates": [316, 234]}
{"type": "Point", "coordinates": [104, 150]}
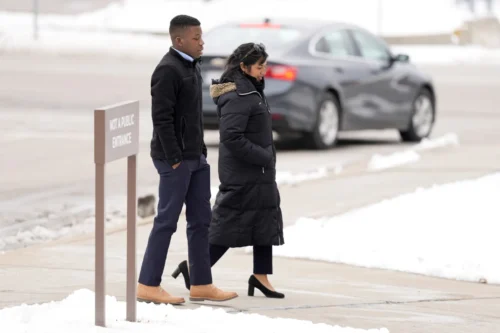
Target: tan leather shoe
{"type": "Point", "coordinates": [156, 295]}
{"type": "Point", "coordinates": [209, 292]}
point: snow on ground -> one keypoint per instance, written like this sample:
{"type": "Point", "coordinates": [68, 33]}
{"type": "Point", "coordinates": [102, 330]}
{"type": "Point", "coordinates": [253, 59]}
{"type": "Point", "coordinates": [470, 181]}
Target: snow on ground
{"type": "Point", "coordinates": [41, 232]}
{"type": "Point", "coordinates": [411, 155]}
{"type": "Point", "coordinates": [76, 314]}
{"type": "Point", "coordinates": [448, 54]}
{"type": "Point", "coordinates": [290, 178]}
{"type": "Point", "coordinates": [448, 231]}
{"type": "Point", "coordinates": [56, 220]}
{"type": "Point", "coordinates": [382, 162]}
{"type": "Point", "coordinates": [126, 26]}
{"type": "Point", "coordinates": [396, 17]}
{"type": "Point", "coordinates": [449, 139]}
{"type": "Point", "coordinates": [85, 42]}
{"type": "Point", "coordinates": [77, 217]}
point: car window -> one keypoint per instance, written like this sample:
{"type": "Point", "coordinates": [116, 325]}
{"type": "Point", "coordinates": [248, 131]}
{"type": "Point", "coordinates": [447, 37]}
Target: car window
{"type": "Point", "coordinates": [370, 47]}
{"type": "Point", "coordinates": [335, 43]}
{"type": "Point", "coordinates": [224, 39]}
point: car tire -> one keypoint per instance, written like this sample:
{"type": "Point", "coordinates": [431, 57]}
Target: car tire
{"type": "Point", "coordinates": [327, 125]}
{"type": "Point", "coordinates": [422, 118]}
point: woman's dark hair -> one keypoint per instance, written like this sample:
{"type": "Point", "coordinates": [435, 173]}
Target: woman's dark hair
{"type": "Point", "coordinates": [248, 54]}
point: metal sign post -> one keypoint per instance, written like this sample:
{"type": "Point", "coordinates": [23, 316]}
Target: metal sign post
{"type": "Point", "coordinates": [116, 136]}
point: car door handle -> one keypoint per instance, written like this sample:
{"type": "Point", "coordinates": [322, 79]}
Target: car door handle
{"type": "Point", "coordinates": [380, 69]}
{"type": "Point", "coordinates": [339, 70]}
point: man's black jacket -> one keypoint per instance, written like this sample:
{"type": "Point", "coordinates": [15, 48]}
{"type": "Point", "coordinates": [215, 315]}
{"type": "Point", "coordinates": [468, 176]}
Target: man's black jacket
{"type": "Point", "coordinates": [176, 110]}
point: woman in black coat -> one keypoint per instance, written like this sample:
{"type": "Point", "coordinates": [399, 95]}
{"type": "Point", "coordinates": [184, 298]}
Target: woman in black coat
{"type": "Point", "coordinates": [247, 207]}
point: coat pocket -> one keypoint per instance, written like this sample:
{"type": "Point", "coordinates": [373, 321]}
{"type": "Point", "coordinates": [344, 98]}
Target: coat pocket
{"type": "Point", "coordinates": [229, 196]}
{"type": "Point", "coordinates": [183, 132]}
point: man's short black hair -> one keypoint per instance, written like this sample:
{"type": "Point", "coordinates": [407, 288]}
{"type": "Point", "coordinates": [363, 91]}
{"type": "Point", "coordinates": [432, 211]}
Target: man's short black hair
{"type": "Point", "coordinates": [181, 22]}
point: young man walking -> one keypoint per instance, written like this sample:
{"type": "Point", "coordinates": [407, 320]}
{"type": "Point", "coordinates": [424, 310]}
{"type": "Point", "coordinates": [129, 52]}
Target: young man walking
{"type": "Point", "coordinates": [179, 155]}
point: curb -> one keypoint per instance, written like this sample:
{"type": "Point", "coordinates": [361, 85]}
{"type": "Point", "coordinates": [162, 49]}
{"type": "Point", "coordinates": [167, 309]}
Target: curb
{"type": "Point", "coordinates": [350, 169]}
{"type": "Point", "coordinates": [79, 237]}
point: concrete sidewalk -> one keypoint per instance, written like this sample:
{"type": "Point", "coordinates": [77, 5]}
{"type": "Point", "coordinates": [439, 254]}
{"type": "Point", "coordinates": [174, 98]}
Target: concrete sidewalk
{"type": "Point", "coordinates": [316, 291]}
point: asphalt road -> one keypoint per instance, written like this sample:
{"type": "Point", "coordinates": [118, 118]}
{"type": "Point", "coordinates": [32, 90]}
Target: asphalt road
{"type": "Point", "coordinates": [46, 121]}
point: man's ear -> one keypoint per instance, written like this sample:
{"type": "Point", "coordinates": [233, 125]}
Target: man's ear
{"type": "Point", "coordinates": [178, 41]}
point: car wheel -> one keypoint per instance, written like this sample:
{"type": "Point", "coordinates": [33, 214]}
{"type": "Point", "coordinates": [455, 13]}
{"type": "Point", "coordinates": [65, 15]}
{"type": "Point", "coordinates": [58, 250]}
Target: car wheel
{"type": "Point", "coordinates": [327, 124]}
{"type": "Point", "coordinates": [422, 118]}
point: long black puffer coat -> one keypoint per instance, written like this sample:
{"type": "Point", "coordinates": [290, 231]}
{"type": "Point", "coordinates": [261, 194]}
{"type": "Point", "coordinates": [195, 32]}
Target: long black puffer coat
{"type": "Point", "coordinates": [247, 207]}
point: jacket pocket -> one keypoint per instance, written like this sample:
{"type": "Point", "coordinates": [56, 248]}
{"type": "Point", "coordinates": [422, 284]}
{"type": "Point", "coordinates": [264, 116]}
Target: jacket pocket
{"type": "Point", "coordinates": [230, 196]}
{"type": "Point", "coordinates": [272, 163]}
{"type": "Point", "coordinates": [183, 131]}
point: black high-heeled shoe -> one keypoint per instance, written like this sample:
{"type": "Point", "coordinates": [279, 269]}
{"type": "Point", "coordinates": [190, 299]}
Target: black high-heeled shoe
{"type": "Point", "coordinates": [183, 268]}
{"type": "Point", "coordinates": [254, 283]}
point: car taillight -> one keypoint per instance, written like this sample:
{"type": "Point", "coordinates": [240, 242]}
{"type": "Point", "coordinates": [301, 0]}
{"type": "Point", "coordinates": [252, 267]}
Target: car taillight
{"type": "Point", "coordinates": [280, 72]}
{"type": "Point", "coordinates": [260, 25]}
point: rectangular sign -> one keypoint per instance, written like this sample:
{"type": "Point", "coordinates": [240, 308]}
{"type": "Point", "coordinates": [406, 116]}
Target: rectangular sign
{"type": "Point", "coordinates": [116, 136]}
{"type": "Point", "coordinates": [116, 131]}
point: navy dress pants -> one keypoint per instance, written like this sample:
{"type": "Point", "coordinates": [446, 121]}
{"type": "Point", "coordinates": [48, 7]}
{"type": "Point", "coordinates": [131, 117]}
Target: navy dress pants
{"type": "Point", "coordinates": [189, 183]}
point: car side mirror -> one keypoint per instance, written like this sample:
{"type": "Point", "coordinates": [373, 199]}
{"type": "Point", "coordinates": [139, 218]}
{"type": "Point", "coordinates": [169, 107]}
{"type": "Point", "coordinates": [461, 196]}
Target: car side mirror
{"type": "Point", "coordinates": [401, 58]}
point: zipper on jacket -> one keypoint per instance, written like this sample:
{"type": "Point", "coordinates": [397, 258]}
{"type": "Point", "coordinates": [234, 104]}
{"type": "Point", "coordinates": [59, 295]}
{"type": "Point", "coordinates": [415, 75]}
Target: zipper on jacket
{"type": "Point", "coordinates": [280, 232]}
{"type": "Point", "coordinates": [256, 92]}
{"type": "Point", "coordinates": [280, 242]}
{"type": "Point", "coordinates": [267, 105]}
{"type": "Point", "coordinates": [262, 98]}
{"type": "Point", "coordinates": [263, 169]}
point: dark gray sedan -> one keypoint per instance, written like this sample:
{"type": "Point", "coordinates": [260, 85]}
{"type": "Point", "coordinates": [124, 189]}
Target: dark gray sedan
{"type": "Point", "coordinates": [327, 77]}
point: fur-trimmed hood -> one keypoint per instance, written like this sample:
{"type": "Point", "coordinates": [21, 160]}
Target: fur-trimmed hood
{"type": "Point", "coordinates": [223, 90]}
{"type": "Point", "coordinates": [241, 84]}
{"type": "Point", "coordinates": [219, 89]}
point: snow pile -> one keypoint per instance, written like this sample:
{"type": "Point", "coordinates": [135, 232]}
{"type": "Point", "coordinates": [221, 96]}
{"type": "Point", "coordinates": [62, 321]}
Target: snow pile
{"type": "Point", "coordinates": [450, 139]}
{"type": "Point", "coordinates": [449, 54]}
{"type": "Point", "coordinates": [381, 162]}
{"type": "Point", "coordinates": [78, 218]}
{"type": "Point", "coordinates": [84, 42]}
{"type": "Point", "coordinates": [39, 233]}
{"type": "Point", "coordinates": [288, 178]}
{"type": "Point", "coordinates": [76, 314]}
{"type": "Point", "coordinates": [396, 17]}
{"type": "Point", "coordinates": [134, 29]}
{"type": "Point", "coordinates": [447, 231]}
{"type": "Point", "coordinates": [51, 220]}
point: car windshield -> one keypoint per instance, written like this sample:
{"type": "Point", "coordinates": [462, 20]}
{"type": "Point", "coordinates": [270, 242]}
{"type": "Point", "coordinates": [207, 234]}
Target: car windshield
{"type": "Point", "coordinates": [226, 38]}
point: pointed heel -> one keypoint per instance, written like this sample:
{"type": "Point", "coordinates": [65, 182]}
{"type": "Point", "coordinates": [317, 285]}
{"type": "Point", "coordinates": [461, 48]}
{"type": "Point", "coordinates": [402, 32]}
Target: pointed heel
{"type": "Point", "coordinates": [251, 290]}
{"type": "Point", "coordinates": [254, 283]}
{"type": "Point", "coordinates": [183, 269]}
{"type": "Point", "coordinates": [176, 273]}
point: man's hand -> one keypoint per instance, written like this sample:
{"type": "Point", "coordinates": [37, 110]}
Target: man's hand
{"type": "Point", "coordinates": [176, 165]}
